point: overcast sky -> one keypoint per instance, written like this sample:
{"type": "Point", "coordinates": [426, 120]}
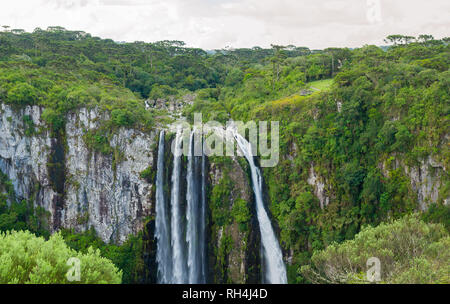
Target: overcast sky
{"type": "Point", "coordinates": [213, 24]}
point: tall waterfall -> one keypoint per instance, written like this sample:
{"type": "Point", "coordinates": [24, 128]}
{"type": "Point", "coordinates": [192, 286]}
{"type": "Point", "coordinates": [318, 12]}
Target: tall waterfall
{"type": "Point", "coordinates": [202, 233]}
{"type": "Point", "coordinates": [175, 265]}
{"type": "Point", "coordinates": [162, 230]}
{"type": "Point", "coordinates": [275, 270]}
{"type": "Point", "coordinates": [179, 266]}
{"type": "Point", "coordinates": [195, 215]}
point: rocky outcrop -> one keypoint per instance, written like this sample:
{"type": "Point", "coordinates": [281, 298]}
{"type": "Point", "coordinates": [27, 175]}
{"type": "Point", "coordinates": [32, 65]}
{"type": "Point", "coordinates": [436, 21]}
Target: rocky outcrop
{"type": "Point", "coordinates": [24, 155]}
{"type": "Point", "coordinates": [98, 191]}
{"type": "Point", "coordinates": [172, 104]}
{"type": "Point", "coordinates": [108, 195]}
{"type": "Point", "coordinates": [320, 188]}
{"type": "Point", "coordinates": [242, 256]}
{"type": "Point", "coordinates": [426, 179]}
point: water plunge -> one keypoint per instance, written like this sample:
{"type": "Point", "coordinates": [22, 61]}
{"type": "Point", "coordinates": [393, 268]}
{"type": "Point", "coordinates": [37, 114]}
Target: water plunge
{"type": "Point", "coordinates": [181, 250]}
{"type": "Point", "coordinates": [195, 214]}
{"type": "Point", "coordinates": [275, 270]}
{"type": "Point", "coordinates": [162, 233]}
{"type": "Point", "coordinates": [179, 275]}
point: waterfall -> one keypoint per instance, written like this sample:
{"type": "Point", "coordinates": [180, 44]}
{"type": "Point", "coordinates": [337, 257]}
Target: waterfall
{"type": "Point", "coordinates": [179, 270]}
{"type": "Point", "coordinates": [275, 270]}
{"type": "Point", "coordinates": [180, 267]}
{"type": "Point", "coordinates": [174, 264]}
{"type": "Point", "coordinates": [192, 215]}
{"type": "Point", "coordinates": [202, 234]}
{"type": "Point", "coordinates": [195, 215]}
{"type": "Point", "coordinates": [163, 253]}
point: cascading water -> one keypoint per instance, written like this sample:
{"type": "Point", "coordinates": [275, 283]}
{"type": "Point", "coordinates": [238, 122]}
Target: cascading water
{"type": "Point", "coordinates": [275, 270]}
{"type": "Point", "coordinates": [174, 264]}
{"type": "Point", "coordinates": [202, 234]}
{"type": "Point", "coordinates": [162, 233]}
{"type": "Point", "coordinates": [195, 216]}
{"type": "Point", "coordinates": [179, 267]}
{"type": "Point", "coordinates": [192, 215]}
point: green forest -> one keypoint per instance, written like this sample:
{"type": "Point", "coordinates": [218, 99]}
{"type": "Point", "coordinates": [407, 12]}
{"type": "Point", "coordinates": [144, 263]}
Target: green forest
{"type": "Point", "coordinates": [356, 117]}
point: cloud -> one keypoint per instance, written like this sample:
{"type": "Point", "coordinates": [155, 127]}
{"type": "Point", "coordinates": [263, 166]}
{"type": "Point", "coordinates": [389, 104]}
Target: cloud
{"type": "Point", "coordinates": [240, 23]}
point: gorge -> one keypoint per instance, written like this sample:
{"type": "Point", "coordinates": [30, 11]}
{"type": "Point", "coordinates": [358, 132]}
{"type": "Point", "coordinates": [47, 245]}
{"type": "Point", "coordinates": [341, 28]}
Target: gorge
{"type": "Point", "coordinates": [88, 160]}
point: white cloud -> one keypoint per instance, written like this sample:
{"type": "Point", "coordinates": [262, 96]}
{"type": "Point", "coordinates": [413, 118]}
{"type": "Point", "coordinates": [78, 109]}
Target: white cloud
{"type": "Point", "coordinates": [239, 23]}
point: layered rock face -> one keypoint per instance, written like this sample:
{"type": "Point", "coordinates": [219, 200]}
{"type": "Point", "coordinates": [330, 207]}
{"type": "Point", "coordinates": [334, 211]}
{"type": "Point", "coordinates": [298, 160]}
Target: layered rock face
{"type": "Point", "coordinates": [24, 158]}
{"type": "Point", "coordinates": [425, 179]}
{"type": "Point", "coordinates": [320, 188]}
{"type": "Point", "coordinates": [108, 195]}
{"type": "Point", "coordinates": [97, 192]}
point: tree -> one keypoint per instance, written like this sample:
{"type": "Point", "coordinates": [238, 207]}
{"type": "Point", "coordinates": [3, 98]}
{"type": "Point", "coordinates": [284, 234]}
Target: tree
{"type": "Point", "coordinates": [56, 29]}
{"type": "Point", "coordinates": [425, 38]}
{"type": "Point", "coordinates": [394, 39]}
{"type": "Point", "coordinates": [277, 60]}
{"type": "Point", "coordinates": [408, 39]}
{"type": "Point", "coordinates": [26, 258]}
{"type": "Point", "coordinates": [17, 31]}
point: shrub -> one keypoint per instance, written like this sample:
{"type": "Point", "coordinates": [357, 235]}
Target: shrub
{"type": "Point", "coordinates": [148, 174]}
{"type": "Point", "coordinates": [98, 140]}
{"type": "Point", "coordinates": [122, 118]}
{"type": "Point", "coordinates": [410, 251]}
{"type": "Point", "coordinates": [241, 213]}
{"type": "Point", "coordinates": [25, 258]}
{"type": "Point", "coordinates": [22, 94]}
{"type": "Point", "coordinates": [54, 119]}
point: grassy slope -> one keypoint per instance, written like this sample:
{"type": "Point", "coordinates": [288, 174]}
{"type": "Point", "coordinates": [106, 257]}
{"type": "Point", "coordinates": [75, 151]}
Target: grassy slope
{"type": "Point", "coordinates": [320, 85]}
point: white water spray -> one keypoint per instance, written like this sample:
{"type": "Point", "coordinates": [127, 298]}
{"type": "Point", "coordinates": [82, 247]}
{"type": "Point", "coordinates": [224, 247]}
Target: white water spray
{"type": "Point", "coordinates": [162, 233]}
{"type": "Point", "coordinates": [195, 215]}
{"type": "Point", "coordinates": [275, 270]}
{"type": "Point", "coordinates": [179, 267]}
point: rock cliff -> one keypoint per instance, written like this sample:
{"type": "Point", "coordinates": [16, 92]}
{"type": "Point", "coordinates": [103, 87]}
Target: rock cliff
{"type": "Point", "coordinates": [82, 188]}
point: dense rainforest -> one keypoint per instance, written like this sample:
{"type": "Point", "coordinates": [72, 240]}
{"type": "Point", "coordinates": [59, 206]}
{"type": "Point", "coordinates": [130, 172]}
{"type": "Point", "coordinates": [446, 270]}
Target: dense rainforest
{"type": "Point", "coordinates": [355, 124]}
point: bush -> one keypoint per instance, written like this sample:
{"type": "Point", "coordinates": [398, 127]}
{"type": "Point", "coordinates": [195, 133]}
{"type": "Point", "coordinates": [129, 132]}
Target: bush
{"type": "Point", "coordinates": [54, 119]}
{"type": "Point", "coordinates": [25, 258]}
{"type": "Point", "coordinates": [410, 251]}
{"type": "Point", "coordinates": [162, 91]}
{"type": "Point", "coordinates": [98, 140]}
{"type": "Point", "coordinates": [22, 94]}
{"type": "Point", "coordinates": [241, 213]}
{"type": "Point", "coordinates": [122, 118]}
{"type": "Point", "coordinates": [438, 213]}
{"type": "Point", "coordinates": [148, 174]}
{"type": "Point", "coordinates": [128, 257]}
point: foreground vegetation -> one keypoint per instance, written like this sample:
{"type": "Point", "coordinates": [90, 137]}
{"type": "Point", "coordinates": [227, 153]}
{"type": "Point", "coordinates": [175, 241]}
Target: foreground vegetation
{"type": "Point", "coordinates": [23, 216]}
{"type": "Point", "coordinates": [409, 251]}
{"type": "Point", "coordinates": [27, 259]}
